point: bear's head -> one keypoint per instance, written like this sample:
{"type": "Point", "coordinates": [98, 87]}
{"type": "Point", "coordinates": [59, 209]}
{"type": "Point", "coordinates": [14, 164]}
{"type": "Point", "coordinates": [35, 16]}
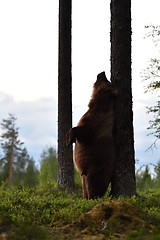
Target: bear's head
{"type": "Point", "coordinates": [103, 92]}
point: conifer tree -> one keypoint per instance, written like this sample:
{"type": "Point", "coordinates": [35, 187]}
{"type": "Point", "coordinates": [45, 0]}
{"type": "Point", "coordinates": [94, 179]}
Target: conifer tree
{"type": "Point", "coordinates": [16, 158]}
{"type": "Point", "coordinates": [65, 154]}
{"type": "Point", "coordinates": [124, 179]}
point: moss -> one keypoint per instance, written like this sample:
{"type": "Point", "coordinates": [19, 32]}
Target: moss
{"type": "Point", "coordinates": [21, 231]}
{"type": "Point", "coordinates": [113, 215]}
{"type": "Point", "coordinates": [112, 219]}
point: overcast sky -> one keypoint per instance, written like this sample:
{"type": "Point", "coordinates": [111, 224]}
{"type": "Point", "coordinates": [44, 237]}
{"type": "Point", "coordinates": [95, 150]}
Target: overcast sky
{"type": "Point", "coordinates": [29, 65]}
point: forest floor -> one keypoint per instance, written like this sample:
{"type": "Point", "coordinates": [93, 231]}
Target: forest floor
{"type": "Point", "coordinates": [51, 214]}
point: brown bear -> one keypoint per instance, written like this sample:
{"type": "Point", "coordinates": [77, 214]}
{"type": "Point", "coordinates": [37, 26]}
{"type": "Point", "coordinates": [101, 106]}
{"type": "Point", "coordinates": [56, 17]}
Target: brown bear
{"type": "Point", "coordinates": [94, 153]}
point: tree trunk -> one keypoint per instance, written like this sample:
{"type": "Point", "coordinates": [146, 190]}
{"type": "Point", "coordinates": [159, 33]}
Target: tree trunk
{"type": "Point", "coordinates": [124, 180]}
{"type": "Point", "coordinates": [65, 154]}
{"type": "Point", "coordinates": [11, 162]}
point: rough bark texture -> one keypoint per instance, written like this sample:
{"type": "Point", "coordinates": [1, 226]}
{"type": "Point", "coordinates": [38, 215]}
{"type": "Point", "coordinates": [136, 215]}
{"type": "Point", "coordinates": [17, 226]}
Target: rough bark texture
{"type": "Point", "coordinates": [65, 154]}
{"type": "Point", "coordinates": [124, 181]}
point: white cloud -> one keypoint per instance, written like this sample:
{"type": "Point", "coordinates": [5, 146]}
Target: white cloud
{"type": "Point", "coordinates": [37, 121]}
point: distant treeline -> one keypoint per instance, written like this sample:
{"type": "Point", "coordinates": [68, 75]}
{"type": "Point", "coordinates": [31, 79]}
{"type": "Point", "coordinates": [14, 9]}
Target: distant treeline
{"type": "Point", "coordinates": [18, 168]}
{"type": "Point", "coordinates": [147, 179]}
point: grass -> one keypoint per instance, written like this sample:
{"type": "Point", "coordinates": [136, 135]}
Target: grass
{"type": "Point", "coordinates": [50, 213]}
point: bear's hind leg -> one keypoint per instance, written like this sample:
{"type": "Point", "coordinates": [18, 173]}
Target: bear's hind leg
{"type": "Point", "coordinates": [85, 186]}
{"type": "Point", "coordinates": [97, 185]}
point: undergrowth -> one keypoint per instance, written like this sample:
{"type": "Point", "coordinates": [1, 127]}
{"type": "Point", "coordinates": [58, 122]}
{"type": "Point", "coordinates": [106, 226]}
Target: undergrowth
{"type": "Point", "coordinates": [43, 206]}
{"type": "Point", "coordinates": [28, 213]}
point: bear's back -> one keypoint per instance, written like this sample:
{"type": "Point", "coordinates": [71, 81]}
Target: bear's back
{"type": "Point", "coordinates": [97, 151]}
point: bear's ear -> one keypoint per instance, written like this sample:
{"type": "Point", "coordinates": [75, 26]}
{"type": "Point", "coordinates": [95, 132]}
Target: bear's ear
{"type": "Point", "coordinates": [101, 76]}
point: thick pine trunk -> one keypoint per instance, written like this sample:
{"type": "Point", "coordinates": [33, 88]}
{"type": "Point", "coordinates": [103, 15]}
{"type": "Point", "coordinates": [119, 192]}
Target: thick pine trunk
{"type": "Point", "coordinates": [65, 154]}
{"type": "Point", "coordinates": [124, 181]}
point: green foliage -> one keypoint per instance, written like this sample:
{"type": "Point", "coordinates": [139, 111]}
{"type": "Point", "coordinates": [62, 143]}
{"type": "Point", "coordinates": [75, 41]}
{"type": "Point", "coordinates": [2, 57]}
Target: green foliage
{"type": "Point", "coordinates": [31, 174]}
{"type": "Point", "coordinates": [24, 170]}
{"type": "Point", "coordinates": [48, 170]}
{"type": "Point", "coordinates": [24, 210]}
{"type": "Point", "coordinates": [15, 164]}
{"type": "Point", "coordinates": [77, 178]}
{"type": "Point", "coordinates": [148, 203]}
{"type": "Point", "coordinates": [20, 231]}
{"type": "Point", "coordinates": [155, 123]}
{"type": "Point", "coordinates": [145, 181]}
{"type": "Point", "coordinates": [152, 75]}
{"type": "Point", "coordinates": [153, 32]}
{"type": "Point", "coordinates": [47, 205]}
{"type": "Point", "coordinates": [157, 172]}
{"type": "Point", "coordinates": [144, 233]}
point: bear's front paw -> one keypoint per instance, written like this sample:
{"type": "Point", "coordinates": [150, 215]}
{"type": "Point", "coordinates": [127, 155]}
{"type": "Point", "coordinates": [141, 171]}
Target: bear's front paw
{"type": "Point", "coordinates": [70, 138]}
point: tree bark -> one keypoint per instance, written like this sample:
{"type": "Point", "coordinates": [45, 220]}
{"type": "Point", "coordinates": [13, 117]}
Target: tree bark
{"type": "Point", "coordinates": [65, 154]}
{"type": "Point", "coordinates": [11, 161]}
{"type": "Point", "coordinates": [124, 180]}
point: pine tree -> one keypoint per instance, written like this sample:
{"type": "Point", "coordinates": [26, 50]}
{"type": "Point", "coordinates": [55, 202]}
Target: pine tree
{"type": "Point", "coordinates": [124, 180]}
{"type": "Point", "coordinates": [15, 158]}
{"type": "Point", "coordinates": [65, 154]}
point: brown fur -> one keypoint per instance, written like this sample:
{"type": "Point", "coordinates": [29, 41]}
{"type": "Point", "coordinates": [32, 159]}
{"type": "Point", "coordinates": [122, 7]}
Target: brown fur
{"type": "Point", "coordinates": [94, 154]}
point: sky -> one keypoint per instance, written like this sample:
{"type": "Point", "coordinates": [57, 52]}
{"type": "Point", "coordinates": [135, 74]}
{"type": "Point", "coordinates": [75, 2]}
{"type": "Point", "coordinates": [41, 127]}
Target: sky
{"type": "Point", "coordinates": [29, 66]}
